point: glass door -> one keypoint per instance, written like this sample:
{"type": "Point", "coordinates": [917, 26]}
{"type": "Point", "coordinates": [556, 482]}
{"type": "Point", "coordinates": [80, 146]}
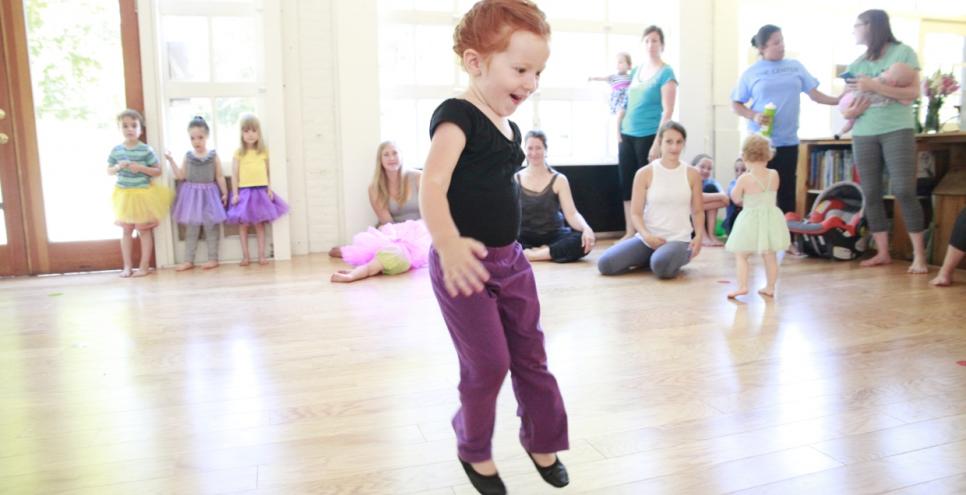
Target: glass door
{"type": "Point", "coordinates": [73, 65]}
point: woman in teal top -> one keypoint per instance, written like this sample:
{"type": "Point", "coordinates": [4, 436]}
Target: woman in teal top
{"type": "Point", "coordinates": [650, 103]}
{"type": "Point", "coordinates": [883, 136]}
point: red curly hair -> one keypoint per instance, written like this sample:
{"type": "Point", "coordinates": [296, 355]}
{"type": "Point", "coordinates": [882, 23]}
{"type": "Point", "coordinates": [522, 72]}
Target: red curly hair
{"type": "Point", "coordinates": [487, 26]}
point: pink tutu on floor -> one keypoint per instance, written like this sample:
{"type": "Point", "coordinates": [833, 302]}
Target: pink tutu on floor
{"type": "Point", "coordinates": [255, 207]}
{"type": "Point", "coordinates": [198, 203]}
{"type": "Point", "coordinates": [411, 236]}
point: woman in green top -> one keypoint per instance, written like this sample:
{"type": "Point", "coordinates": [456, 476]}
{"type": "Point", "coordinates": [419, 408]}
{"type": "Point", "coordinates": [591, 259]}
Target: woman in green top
{"type": "Point", "coordinates": [883, 136]}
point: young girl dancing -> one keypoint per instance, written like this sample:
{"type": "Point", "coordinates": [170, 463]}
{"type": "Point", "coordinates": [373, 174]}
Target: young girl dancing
{"type": "Point", "coordinates": [482, 280]}
{"type": "Point", "coordinates": [760, 227]}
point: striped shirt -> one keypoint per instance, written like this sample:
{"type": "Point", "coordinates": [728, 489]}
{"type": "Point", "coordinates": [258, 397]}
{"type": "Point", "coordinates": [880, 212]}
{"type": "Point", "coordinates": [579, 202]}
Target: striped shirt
{"type": "Point", "coordinates": [141, 154]}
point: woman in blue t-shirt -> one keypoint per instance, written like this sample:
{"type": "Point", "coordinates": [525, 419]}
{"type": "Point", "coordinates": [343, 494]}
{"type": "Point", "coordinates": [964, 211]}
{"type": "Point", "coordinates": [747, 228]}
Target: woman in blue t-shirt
{"type": "Point", "coordinates": [650, 103]}
{"type": "Point", "coordinates": [777, 80]}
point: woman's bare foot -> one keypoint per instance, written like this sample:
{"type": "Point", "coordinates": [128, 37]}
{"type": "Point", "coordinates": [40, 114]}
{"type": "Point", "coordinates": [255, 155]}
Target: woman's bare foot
{"type": "Point", "coordinates": [740, 292]}
{"type": "Point", "coordinates": [262, 261]}
{"type": "Point", "coordinates": [942, 280]}
{"type": "Point", "coordinates": [344, 277]}
{"type": "Point", "coordinates": [877, 260]}
{"type": "Point", "coordinates": [767, 291]}
{"type": "Point", "coordinates": [184, 266]}
{"type": "Point", "coordinates": [336, 252]}
{"type": "Point", "coordinates": [141, 272]}
{"type": "Point", "coordinates": [918, 267]}
{"type": "Point", "coordinates": [245, 262]}
{"type": "Point", "coordinates": [210, 264]}
{"type": "Point", "coordinates": [125, 273]}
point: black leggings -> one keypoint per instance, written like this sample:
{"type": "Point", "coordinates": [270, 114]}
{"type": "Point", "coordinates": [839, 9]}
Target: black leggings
{"type": "Point", "coordinates": [565, 245]}
{"type": "Point", "coordinates": [785, 162]}
{"type": "Point", "coordinates": [631, 156]}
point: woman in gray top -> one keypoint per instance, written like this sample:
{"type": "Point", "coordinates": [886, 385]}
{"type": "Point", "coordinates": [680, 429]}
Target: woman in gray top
{"type": "Point", "coordinates": [393, 192]}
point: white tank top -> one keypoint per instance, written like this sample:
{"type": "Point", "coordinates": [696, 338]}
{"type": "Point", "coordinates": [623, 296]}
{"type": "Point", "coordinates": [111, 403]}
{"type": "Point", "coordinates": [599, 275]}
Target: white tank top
{"type": "Point", "coordinates": [667, 211]}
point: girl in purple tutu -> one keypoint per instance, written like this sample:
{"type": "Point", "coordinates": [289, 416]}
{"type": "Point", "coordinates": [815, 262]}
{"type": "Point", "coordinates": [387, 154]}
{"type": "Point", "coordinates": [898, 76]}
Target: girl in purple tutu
{"type": "Point", "coordinates": [201, 198]}
{"type": "Point", "coordinates": [253, 202]}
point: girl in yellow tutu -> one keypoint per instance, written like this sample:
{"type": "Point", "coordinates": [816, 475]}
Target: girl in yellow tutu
{"type": "Point", "coordinates": [138, 203]}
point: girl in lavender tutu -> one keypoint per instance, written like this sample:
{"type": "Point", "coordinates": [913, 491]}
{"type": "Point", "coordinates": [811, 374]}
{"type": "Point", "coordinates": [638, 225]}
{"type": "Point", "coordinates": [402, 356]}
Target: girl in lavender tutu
{"type": "Point", "coordinates": [202, 196]}
{"type": "Point", "coordinates": [252, 201]}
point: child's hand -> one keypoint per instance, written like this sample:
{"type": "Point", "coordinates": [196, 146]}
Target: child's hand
{"type": "Point", "coordinates": [168, 155]}
{"type": "Point", "coordinates": [695, 247]}
{"type": "Point", "coordinates": [123, 164]}
{"type": "Point", "coordinates": [587, 240]}
{"type": "Point", "coordinates": [462, 271]}
{"type": "Point", "coordinates": [653, 241]}
{"type": "Point", "coordinates": [234, 200]}
{"type": "Point", "coordinates": [271, 195]}
{"type": "Point", "coordinates": [224, 199]}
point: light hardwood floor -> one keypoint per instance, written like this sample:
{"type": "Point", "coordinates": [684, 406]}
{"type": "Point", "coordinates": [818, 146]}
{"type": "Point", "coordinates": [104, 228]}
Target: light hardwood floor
{"type": "Point", "coordinates": [272, 380]}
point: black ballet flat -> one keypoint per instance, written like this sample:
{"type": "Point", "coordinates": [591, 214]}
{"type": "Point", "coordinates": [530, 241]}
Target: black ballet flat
{"type": "Point", "coordinates": [554, 474]}
{"type": "Point", "coordinates": [486, 485]}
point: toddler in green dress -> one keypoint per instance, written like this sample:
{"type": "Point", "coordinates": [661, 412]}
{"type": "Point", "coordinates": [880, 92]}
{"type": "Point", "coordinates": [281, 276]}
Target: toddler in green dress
{"type": "Point", "coordinates": [760, 227]}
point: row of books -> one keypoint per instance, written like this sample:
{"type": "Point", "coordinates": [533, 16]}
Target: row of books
{"type": "Point", "coordinates": [828, 166]}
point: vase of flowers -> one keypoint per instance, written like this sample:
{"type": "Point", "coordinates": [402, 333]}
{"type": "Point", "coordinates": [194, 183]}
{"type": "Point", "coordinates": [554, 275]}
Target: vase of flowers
{"type": "Point", "coordinates": [936, 88]}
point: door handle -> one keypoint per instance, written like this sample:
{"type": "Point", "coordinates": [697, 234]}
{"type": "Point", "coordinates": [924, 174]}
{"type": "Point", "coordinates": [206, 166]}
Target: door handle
{"type": "Point", "coordinates": [4, 139]}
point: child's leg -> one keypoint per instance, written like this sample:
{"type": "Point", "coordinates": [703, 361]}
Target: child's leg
{"type": "Point", "coordinates": [543, 428]}
{"type": "Point", "coordinates": [710, 224]}
{"type": "Point", "coordinates": [147, 248]}
{"type": "Point", "coordinates": [211, 238]}
{"type": "Point", "coordinates": [741, 269]}
{"type": "Point", "coordinates": [127, 245]}
{"type": "Point", "coordinates": [481, 345]}
{"type": "Point", "coordinates": [260, 233]}
{"type": "Point", "coordinates": [771, 271]}
{"type": "Point", "coordinates": [191, 233]}
{"type": "Point", "coordinates": [360, 272]}
{"type": "Point", "coordinates": [243, 233]}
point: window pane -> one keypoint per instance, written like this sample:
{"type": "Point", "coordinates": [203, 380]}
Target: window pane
{"type": "Point", "coordinates": [186, 44]}
{"type": "Point", "coordinates": [227, 135]}
{"type": "Point", "coordinates": [3, 222]}
{"type": "Point", "coordinates": [398, 125]}
{"type": "Point", "coordinates": [180, 113]}
{"type": "Point", "coordinates": [77, 73]}
{"type": "Point", "coordinates": [436, 66]}
{"type": "Point", "coordinates": [571, 55]}
{"type": "Point", "coordinates": [234, 48]}
{"type": "Point", "coordinates": [574, 10]}
{"type": "Point", "coordinates": [397, 63]}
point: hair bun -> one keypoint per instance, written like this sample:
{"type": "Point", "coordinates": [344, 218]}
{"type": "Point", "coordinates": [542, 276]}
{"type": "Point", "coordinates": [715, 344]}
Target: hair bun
{"type": "Point", "coordinates": [754, 41]}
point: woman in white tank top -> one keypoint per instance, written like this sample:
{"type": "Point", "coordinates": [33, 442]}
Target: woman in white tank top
{"type": "Point", "coordinates": [665, 203]}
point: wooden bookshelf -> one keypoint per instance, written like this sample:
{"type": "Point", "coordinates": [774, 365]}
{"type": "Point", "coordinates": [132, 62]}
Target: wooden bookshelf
{"type": "Point", "coordinates": [949, 153]}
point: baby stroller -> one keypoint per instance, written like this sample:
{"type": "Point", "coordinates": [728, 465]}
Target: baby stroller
{"type": "Point", "coordinates": [836, 227]}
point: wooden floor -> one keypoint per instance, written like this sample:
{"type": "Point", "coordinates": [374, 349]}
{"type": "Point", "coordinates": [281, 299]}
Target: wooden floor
{"type": "Point", "coordinates": [272, 380]}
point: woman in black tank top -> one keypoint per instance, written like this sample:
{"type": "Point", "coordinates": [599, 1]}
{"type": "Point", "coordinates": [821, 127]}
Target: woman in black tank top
{"type": "Point", "coordinates": [546, 203]}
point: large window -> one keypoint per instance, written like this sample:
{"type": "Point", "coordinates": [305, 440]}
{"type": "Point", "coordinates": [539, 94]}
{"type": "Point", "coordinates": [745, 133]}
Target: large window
{"type": "Point", "coordinates": [211, 66]}
{"type": "Point", "coordinates": [418, 69]}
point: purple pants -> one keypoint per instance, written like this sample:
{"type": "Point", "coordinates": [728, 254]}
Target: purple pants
{"type": "Point", "coordinates": [494, 331]}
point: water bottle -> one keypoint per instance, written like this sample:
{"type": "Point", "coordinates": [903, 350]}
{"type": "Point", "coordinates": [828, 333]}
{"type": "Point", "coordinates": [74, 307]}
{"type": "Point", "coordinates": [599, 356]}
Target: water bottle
{"type": "Point", "coordinates": [769, 112]}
